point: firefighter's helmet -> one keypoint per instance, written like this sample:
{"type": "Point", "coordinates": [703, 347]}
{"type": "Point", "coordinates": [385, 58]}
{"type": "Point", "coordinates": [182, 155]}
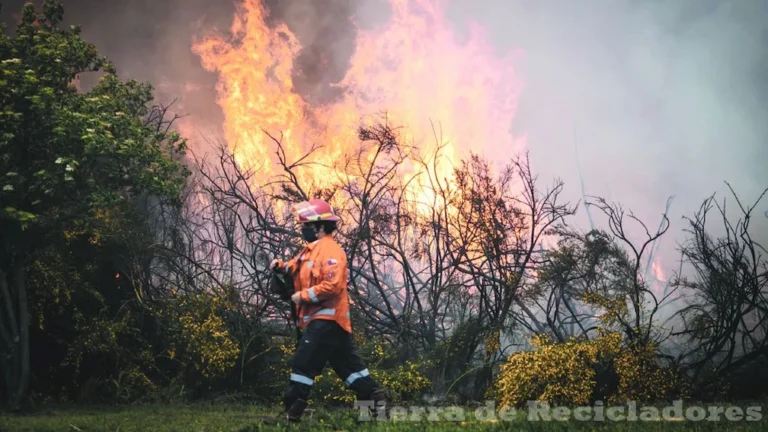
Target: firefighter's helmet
{"type": "Point", "coordinates": [314, 210]}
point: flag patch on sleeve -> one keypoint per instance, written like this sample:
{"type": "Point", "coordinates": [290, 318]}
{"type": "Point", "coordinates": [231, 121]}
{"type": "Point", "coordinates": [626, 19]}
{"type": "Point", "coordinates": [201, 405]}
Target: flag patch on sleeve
{"type": "Point", "coordinates": [332, 262]}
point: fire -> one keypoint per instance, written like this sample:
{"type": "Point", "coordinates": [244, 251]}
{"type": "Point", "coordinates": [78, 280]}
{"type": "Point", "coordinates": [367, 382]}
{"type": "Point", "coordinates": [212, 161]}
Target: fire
{"type": "Point", "coordinates": [659, 278]}
{"type": "Point", "coordinates": [412, 67]}
{"type": "Point", "coordinates": [658, 272]}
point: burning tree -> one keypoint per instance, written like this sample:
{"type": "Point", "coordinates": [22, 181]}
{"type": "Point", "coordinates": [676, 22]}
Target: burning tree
{"type": "Point", "coordinates": [433, 261]}
{"type": "Point", "coordinates": [401, 203]}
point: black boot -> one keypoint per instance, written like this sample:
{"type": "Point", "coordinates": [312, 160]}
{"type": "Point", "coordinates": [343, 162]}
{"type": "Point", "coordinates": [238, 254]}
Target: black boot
{"type": "Point", "coordinates": [294, 412]}
{"type": "Point", "coordinates": [375, 406]}
{"type": "Point", "coordinates": [380, 410]}
{"type": "Point", "coordinates": [291, 413]}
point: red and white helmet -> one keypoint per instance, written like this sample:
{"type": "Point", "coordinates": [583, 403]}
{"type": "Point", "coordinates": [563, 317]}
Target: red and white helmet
{"type": "Point", "coordinates": [314, 210]}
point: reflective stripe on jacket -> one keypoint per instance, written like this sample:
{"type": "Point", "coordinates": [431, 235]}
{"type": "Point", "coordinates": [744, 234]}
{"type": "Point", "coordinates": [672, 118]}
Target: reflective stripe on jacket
{"type": "Point", "coordinates": [322, 281]}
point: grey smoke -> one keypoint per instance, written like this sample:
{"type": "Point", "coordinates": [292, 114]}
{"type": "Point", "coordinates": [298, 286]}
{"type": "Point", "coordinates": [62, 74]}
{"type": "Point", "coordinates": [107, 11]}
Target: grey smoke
{"type": "Point", "coordinates": [667, 97]}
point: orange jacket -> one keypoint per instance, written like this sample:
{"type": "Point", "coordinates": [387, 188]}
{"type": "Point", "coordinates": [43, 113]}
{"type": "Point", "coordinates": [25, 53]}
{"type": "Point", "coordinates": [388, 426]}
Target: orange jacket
{"type": "Point", "coordinates": [322, 281]}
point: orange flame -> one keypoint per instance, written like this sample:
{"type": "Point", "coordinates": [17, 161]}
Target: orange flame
{"type": "Point", "coordinates": [660, 279]}
{"type": "Point", "coordinates": [411, 67]}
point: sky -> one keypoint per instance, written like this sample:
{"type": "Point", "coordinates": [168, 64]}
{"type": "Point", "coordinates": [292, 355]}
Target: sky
{"type": "Point", "coordinates": [639, 100]}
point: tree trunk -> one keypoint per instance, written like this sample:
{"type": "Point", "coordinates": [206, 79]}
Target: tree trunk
{"type": "Point", "coordinates": [484, 377]}
{"type": "Point", "coordinates": [20, 281]}
{"type": "Point", "coordinates": [10, 337]}
{"type": "Point", "coordinates": [14, 333]}
{"type": "Point", "coordinates": [483, 381]}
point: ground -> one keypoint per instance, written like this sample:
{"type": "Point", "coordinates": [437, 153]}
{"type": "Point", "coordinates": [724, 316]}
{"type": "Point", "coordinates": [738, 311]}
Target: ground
{"type": "Point", "coordinates": [244, 418]}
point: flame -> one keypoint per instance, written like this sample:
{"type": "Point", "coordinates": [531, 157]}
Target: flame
{"type": "Point", "coordinates": [658, 271]}
{"type": "Point", "coordinates": [659, 278]}
{"type": "Point", "coordinates": [411, 67]}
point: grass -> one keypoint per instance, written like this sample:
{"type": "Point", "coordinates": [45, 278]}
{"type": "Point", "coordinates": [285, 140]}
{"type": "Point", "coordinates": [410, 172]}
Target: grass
{"type": "Point", "coordinates": [244, 418]}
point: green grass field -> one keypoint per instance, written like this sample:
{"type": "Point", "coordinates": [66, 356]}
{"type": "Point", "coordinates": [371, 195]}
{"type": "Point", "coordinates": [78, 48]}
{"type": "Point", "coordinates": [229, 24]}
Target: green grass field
{"type": "Point", "coordinates": [241, 417]}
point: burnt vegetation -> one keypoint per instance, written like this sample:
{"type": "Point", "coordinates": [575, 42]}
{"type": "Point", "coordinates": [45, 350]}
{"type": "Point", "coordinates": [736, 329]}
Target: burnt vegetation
{"type": "Point", "coordinates": [156, 287]}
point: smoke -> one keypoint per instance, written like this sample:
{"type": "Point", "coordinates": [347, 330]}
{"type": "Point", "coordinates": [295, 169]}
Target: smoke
{"type": "Point", "coordinates": [327, 35]}
{"type": "Point", "coordinates": [655, 98]}
{"type": "Point", "coordinates": [632, 100]}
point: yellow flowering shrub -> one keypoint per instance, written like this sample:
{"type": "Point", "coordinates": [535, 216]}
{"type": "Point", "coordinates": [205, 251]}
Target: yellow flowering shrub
{"type": "Point", "coordinates": [559, 373]}
{"type": "Point", "coordinates": [566, 373]}
{"type": "Point", "coordinates": [203, 337]}
{"type": "Point", "coordinates": [641, 378]}
{"type": "Point", "coordinates": [405, 382]}
{"type": "Point", "coordinates": [614, 307]}
{"type": "Point", "coordinates": [331, 390]}
{"type": "Point", "coordinates": [492, 344]}
{"type": "Point", "coordinates": [132, 381]}
{"type": "Point", "coordinates": [402, 381]}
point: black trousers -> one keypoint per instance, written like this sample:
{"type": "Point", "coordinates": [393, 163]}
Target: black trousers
{"type": "Point", "coordinates": [324, 341]}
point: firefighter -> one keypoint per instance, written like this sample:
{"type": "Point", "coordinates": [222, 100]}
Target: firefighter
{"type": "Point", "coordinates": [320, 291]}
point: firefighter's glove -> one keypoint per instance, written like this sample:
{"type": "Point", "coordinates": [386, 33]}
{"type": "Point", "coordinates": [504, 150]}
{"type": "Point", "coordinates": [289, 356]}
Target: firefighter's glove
{"type": "Point", "coordinates": [277, 266]}
{"type": "Point", "coordinates": [296, 298]}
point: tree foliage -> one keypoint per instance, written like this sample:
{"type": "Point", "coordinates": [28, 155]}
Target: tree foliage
{"type": "Point", "coordinates": [72, 165]}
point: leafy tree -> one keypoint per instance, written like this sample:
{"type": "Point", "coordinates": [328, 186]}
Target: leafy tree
{"type": "Point", "coordinates": [68, 160]}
